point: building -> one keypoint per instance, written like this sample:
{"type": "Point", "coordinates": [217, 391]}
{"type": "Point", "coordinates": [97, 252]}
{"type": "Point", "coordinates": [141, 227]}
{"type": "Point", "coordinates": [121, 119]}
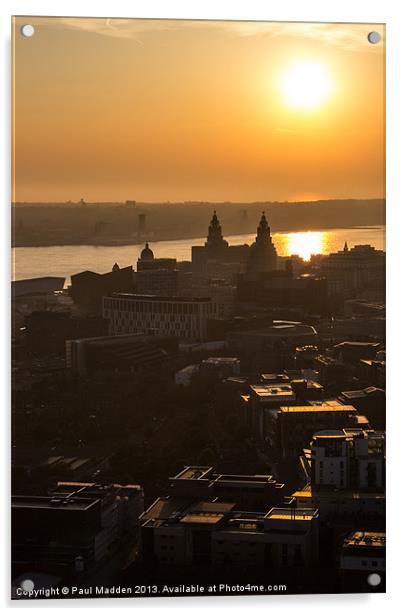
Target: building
{"type": "Point", "coordinates": [372, 372]}
{"type": "Point", "coordinates": [369, 401]}
{"type": "Point", "coordinates": [220, 367]}
{"type": "Point", "coordinates": [357, 268]}
{"type": "Point", "coordinates": [156, 276]}
{"type": "Point", "coordinates": [182, 317]}
{"type": "Point", "coordinates": [362, 552]}
{"type": "Point", "coordinates": [76, 529]}
{"type": "Point", "coordinates": [352, 352]}
{"type": "Point", "coordinates": [297, 424]}
{"type": "Point", "coordinates": [331, 371]}
{"type": "Point", "coordinates": [263, 401]}
{"type": "Point", "coordinates": [36, 286]}
{"type": "Point", "coordinates": [181, 532]}
{"type": "Point", "coordinates": [343, 507]}
{"type": "Point", "coordinates": [262, 256]}
{"type": "Point", "coordinates": [48, 330]}
{"type": "Point", "coordinates": [123, 353]}
{"type": "Point", "coordinates": [185, 375]}
{"type": "Point", "coordinates": [277, 290]}
{"type": "Point", "coordinates": [87, 288]}
{"type": "Point", "coordinates": [348, 459]}
{"type": "Point", "coordinates": [287, 334]}
{"type": "Point", "coordinates": [216, 259]}
{"type": "Point", "coordinates": [246, 492]}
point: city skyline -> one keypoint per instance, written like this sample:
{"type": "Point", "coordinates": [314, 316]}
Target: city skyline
{"type": "Point", "coordinates": [197, 110]}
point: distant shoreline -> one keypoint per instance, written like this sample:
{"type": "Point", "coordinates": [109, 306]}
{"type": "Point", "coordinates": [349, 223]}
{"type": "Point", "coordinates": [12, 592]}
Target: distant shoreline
{"type": "Point", "coordinates": [175, 238]}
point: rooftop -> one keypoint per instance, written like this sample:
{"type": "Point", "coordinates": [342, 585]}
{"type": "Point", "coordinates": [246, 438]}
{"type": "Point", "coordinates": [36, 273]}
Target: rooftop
{"type": "Point", "coordinates": [319, 408]}
{"type": "Point", "coordinates": [273, 391]}
{"type": "Point", "coordinates": [318, 493]}
{"type": "Point", "coordinates": [157, 298]}
{"type": "Point", "coordinates": [277, 513]}
{"type": "Point", "coordinates": [365, 539]}
{"type": "Point", "coordinates": [54, 503]}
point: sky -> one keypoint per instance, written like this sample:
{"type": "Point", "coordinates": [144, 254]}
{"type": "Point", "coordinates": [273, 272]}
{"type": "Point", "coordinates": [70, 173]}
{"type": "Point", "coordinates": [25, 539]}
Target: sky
{"type": "Point", "coordinates": [164, 110]}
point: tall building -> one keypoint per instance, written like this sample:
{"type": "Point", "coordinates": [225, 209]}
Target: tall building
{"type": "Point", "coordinates": [262, 255]}
{"type": "Point", "coordinates": [297, 424]}
{"type": "Point", "coordinates": [216, 259]}
{"type": "Point", "coordinates": [215, 241]}
{"type": "Point", "coordinates": [348, 458]}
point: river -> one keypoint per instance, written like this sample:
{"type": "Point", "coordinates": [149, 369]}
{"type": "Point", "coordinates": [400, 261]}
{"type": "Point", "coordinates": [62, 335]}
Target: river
{"type": "Point", "coordinates": [37, 261]}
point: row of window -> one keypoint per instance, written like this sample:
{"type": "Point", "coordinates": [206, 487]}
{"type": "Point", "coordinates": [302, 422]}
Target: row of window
{"type": "Point", "coordinates": [159, 307]}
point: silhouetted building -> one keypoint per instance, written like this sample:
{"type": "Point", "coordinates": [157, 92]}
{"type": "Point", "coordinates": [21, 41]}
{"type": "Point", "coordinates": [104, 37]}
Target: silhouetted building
{"type": "Point", "coordinates": [34, 286]}
{"type": "Point", "coordinates": [369, 401]}
{"type": "Point", "coordinates": [262, 255]}
{"type": "Point", "coordinates": [87, 288]}
{"type": "Point", "coordinates": [142, 225]}
{"type": "Point", "coordinates": [274, 290]}
{"type": "Point", "coordinates": [156, 276]}
{"type": "Point", "coordinates": [48, 330]}
{"type": "Point", "coordinates": [124, 353]}
{"type": "Point", "coordinates": [78, 528]}
{"type": "Point", "coordinates": [352, 352]}
{"type": "Point", "coordinates": [359, 267]}
{"type": "Point", "coordinates": [216, 259]}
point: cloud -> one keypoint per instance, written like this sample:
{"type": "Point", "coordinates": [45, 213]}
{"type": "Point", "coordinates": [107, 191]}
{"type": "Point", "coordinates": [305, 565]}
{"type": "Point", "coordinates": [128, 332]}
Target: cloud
{"type": "Point", "coordinates": [352, 37]}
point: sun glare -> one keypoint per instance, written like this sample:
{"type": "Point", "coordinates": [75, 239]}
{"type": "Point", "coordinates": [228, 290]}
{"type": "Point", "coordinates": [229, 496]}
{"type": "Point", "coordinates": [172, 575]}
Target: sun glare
{"type": "Point", "coordinates": [306, 85]}
{"type": "Point", "coordinates": [305, 244]}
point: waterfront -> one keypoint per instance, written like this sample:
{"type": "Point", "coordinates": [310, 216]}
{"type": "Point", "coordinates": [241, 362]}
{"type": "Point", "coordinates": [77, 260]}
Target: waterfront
{"type": "Point", "coordinates": [33, 262]}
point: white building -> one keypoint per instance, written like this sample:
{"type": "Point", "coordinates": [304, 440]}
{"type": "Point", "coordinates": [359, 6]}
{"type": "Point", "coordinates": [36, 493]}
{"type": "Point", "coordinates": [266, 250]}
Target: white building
{"type": "Point", "coordinates": [348, 458]}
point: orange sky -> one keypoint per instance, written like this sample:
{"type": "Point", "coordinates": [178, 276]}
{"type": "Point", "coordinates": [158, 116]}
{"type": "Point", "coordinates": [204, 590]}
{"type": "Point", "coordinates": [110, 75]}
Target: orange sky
{"type": "Point", "coordinates": [157, 110]}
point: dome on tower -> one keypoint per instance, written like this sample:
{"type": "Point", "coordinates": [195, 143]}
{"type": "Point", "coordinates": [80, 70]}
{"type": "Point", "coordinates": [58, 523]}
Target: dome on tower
{"type": "Point", "coordinates": [115, 267]}
{"type": "Point", "coordinates": [146, 253]}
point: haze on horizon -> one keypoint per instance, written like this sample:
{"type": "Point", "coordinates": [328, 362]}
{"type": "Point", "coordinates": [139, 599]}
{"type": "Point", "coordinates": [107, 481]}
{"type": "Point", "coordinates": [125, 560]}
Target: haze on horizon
{"type": "Point", "coordinates": [163, 110]}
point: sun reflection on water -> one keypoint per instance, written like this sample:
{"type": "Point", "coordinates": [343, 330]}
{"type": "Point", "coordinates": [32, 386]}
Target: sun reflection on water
{"type": "Point", "coordinates": [303, 244]}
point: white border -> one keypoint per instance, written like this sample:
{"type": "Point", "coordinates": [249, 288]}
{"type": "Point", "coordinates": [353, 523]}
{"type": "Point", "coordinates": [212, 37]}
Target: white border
{"type": "Point", "coordinates": [378, 11]}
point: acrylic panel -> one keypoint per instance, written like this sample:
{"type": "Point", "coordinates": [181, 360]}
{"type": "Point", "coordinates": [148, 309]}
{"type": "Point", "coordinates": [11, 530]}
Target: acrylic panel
{"type": "Point", "coordinates": [198, 308]}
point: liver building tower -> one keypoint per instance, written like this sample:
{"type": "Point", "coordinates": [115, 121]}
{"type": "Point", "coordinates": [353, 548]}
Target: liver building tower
{"type": "Point", "coordinates": [262, 254]}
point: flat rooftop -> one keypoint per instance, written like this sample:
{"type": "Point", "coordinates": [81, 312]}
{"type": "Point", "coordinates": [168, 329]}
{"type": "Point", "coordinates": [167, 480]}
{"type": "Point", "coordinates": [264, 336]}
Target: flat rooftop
{"type": "Point", "coordinates": [54, 503]}
{"type": "Point", "coordinates": [273, 391]}
{"type": "Point", "coordinates": [298, 514]}
{"type": "Point", "coordinates": [307, 492]}
{"type": "Point", "coordinates": [363, 538]}
{"type": "Point", "coordinates": [157, 298]}
{"type": "Point", "coordinates": [319, 408]}
{"type": "Point", "coordinates": [194, 472]}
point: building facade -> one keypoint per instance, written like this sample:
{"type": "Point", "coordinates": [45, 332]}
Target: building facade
{"type": "Point", "coordinates": [183, 318]}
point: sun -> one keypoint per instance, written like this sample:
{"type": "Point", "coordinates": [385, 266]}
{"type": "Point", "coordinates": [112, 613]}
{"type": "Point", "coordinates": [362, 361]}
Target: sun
{"type": "Point", "coordinates": [306, 85]}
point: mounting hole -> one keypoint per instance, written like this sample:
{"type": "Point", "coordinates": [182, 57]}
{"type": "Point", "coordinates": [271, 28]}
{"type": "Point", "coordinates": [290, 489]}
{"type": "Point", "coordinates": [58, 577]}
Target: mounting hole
{"type": "Point", "coordinates": [374, 37]}
{"type": "Point", "coordinates": [374, 579]}
{"type": "Point", "coordinates": [27, 585]}
{"type": "Point", "coordinates": [27, 30]}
